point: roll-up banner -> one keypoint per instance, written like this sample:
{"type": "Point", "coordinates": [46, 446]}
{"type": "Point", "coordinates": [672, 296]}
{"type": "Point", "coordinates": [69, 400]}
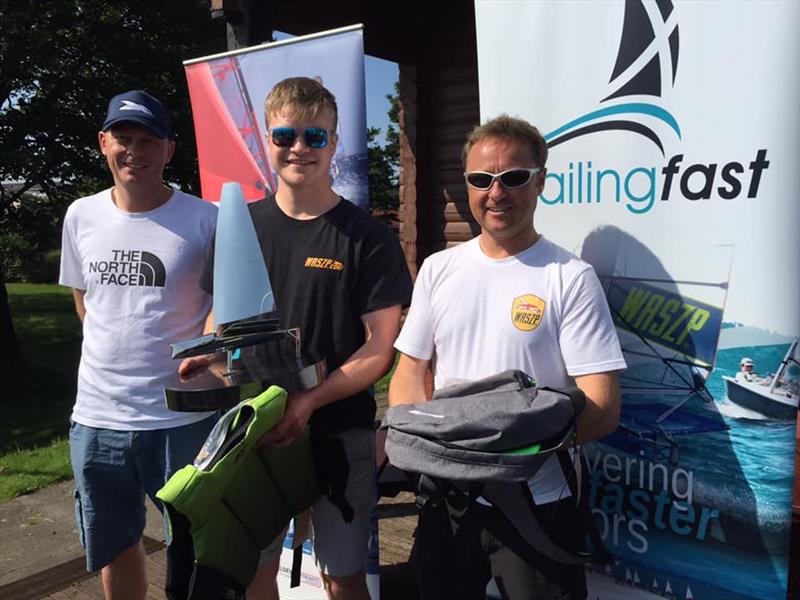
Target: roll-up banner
{"type": "Point", "coordinates": [673, 133]}
{"type": "Point", "coordinates": [227, 93]}
{"type": "Point", "coordinates": [228, 90]}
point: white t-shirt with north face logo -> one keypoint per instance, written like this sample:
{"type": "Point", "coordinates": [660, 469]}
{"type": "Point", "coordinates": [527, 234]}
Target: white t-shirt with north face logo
{"type": "Point", "coordinates": [541, 311]}
{"type": "Point", "coordinates": [141, 274]}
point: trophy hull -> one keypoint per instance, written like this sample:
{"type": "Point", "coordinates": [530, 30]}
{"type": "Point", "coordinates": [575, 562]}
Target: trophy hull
{"type": "Point", "coordinates": [218, 387]}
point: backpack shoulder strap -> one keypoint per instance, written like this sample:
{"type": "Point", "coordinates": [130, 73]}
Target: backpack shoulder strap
{"type": "Point", "coordinates": [575, 473]}
{"type": "Point", "coordinates": [516, 503]}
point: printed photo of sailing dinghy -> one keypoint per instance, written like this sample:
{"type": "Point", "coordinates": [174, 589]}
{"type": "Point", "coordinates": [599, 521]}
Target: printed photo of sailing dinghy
{"type": "Point", "coordinates": [688, 478]}
{"type": "Point", "coordinates": [773, 396]}
{"type": "Point", "coordinates": [668, 327]}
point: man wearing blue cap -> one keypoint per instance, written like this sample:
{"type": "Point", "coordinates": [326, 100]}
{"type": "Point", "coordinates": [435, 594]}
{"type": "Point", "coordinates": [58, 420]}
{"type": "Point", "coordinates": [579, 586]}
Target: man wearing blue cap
{"type": "Point", "coordinates": [133, 256]}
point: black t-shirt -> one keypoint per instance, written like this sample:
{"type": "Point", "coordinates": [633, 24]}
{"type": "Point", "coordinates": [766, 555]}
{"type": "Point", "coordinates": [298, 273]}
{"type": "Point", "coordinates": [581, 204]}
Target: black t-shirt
{"type": "Point", "coordinates": [326, 273]}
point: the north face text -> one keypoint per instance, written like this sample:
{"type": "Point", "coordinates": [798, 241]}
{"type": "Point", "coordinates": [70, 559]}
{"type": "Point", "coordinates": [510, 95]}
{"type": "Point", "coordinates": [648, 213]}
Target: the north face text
{"type": "Point", "coordinates": [130, 267]}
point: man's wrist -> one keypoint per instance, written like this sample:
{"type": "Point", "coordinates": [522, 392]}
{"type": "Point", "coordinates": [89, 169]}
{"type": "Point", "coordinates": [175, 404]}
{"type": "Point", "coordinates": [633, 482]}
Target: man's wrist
{"type": "Point", "coordinates": [312, 397]}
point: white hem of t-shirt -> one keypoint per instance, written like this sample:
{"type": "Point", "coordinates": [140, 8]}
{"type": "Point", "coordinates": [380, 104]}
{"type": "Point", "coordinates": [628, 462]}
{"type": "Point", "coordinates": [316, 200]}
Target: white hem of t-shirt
{"type": "Point", "coordinates": [172, 423]}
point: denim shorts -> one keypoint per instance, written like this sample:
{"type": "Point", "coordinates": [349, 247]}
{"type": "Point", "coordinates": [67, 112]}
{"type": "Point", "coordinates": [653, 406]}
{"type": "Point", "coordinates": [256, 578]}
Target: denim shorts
{"type": "Point", "coordinates": [341, 548]}
{"type": "Point", "coordinates": [114, 470]}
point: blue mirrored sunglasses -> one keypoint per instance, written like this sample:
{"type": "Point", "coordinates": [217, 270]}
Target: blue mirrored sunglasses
{"type": "Point", "coordinates": [510, 179]}
{"type": "Point", "coordinates": [284, 137]}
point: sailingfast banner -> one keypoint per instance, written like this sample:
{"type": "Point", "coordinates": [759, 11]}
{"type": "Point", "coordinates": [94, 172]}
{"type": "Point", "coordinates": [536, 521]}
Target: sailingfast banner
{"type": "Point", "coordinates": [228, 90]}
{"type": "Point", "coordinates": [673, 131]}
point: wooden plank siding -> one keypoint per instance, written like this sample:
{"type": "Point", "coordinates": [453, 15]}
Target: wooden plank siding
{"type": "Point", "coordinates": [407, 178]}
{"type": "Point", "coordinates": [446, 112]}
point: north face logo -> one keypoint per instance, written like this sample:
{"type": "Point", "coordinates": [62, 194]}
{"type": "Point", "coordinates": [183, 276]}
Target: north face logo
{"type": "Point", "coordinates": [131, 267]}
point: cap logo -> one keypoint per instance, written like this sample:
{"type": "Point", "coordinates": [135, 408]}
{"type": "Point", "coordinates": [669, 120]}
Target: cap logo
{"type": "Point", "coordinates": [129, 105]}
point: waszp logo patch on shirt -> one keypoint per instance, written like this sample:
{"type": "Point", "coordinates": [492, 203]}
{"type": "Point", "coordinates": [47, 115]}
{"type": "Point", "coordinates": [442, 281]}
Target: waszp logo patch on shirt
{"type": "Point", "coordinates": [314, 262]}
{"type": "Point", "coordinates": [527, 312]}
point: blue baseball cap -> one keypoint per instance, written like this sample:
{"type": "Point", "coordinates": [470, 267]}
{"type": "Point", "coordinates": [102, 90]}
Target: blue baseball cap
{"type": "Point", "coordinates": [141, 108]}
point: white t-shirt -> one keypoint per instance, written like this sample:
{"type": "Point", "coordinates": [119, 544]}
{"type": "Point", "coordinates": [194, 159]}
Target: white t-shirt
{"type": "Point", "coordinates": [141, 274]}
{"type": "Point", "coordinates": [541, 311]}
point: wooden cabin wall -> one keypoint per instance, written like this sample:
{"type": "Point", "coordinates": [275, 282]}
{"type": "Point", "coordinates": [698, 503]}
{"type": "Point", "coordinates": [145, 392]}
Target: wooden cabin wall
{"type": "Point", "coordinates": [407, 178]}
{"type": "Point", "coordinates": [439, 107]}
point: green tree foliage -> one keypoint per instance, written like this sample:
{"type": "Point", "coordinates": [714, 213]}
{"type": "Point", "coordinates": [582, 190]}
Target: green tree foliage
{"type": "Point", "coordinates": [60, 63]}
{"type": "Point", "coordinates": [29, 238]}
{"type": "Point", "coordinates": [384, 161]}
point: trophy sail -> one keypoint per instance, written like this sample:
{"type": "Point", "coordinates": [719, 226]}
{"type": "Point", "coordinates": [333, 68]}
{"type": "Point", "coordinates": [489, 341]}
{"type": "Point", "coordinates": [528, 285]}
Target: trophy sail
{"type": "Point", "coordinates": [247, 332]}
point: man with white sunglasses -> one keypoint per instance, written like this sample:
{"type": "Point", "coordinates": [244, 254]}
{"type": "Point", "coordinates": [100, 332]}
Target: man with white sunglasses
{"type": "Point", "coordinates": [508, 299]}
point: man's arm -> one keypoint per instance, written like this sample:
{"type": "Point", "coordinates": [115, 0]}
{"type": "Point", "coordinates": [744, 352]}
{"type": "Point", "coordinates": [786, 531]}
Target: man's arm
{"type": "Point", "coordinates": [408, 382]}
{"type": "Point", "coordinates": [80, 307]}
{"type": "Point", "coordinates": [601, 415]}
{"type": "Point", "coordinates": [364, 367]}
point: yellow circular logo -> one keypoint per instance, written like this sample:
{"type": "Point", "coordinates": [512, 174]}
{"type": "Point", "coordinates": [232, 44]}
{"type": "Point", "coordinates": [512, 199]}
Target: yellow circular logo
{"type": "Point", "coordinates": [527, 312]}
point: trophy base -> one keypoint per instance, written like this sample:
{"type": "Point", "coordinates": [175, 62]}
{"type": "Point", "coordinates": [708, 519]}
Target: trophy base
{"type": "Point", "coordinates": [217, 387]}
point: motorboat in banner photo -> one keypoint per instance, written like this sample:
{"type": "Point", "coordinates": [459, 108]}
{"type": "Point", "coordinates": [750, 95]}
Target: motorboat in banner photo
{"type": "Point", "coordinates": [774, 395]}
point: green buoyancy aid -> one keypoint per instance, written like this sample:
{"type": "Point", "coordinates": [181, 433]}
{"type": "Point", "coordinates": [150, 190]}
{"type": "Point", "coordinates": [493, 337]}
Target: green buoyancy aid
{"type": "Point", "coordinates": [238, 498]}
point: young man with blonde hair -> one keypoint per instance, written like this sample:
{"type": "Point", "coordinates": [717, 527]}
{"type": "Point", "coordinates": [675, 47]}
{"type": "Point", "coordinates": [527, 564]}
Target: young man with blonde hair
{"type": "Point", "coordinates": [507, 299]}
{"type": "Point", "coordinates": [340, 276]}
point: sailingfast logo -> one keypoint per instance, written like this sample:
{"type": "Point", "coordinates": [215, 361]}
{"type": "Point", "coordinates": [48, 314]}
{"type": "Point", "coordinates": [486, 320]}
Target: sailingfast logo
{"type": "Point", "coordinates": [646, 65]}
{"type": "Point", "coordinates": [130, 267]}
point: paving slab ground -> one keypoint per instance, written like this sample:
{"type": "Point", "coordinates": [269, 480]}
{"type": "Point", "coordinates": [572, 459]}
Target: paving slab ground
{"type": "Point", "coordinates": [39, 545]}
{"type": "Point", "coordinates": [38, 532]}
{"type": "Point", "coordinates": [41, 557]}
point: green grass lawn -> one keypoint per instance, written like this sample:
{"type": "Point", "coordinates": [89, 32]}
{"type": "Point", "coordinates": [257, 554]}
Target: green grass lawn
{"type": "Point", "coordinates": [26, 471]}
{"type": "Point", "coordinates": [38, 398]}
{"type": "Point", "coordinates": [382, 385]}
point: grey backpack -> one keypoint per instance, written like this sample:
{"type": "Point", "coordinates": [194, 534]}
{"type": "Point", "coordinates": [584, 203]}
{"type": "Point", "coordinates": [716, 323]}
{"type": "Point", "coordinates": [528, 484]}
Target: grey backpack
{"type": "Point", "coordinates": [489, 437]}
{"type": "Point", "coordinates": [501, 428]}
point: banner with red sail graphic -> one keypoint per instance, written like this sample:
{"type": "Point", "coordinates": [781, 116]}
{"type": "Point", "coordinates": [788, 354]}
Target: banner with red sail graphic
{"type": "Point", "coordinates": [227, 92]}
